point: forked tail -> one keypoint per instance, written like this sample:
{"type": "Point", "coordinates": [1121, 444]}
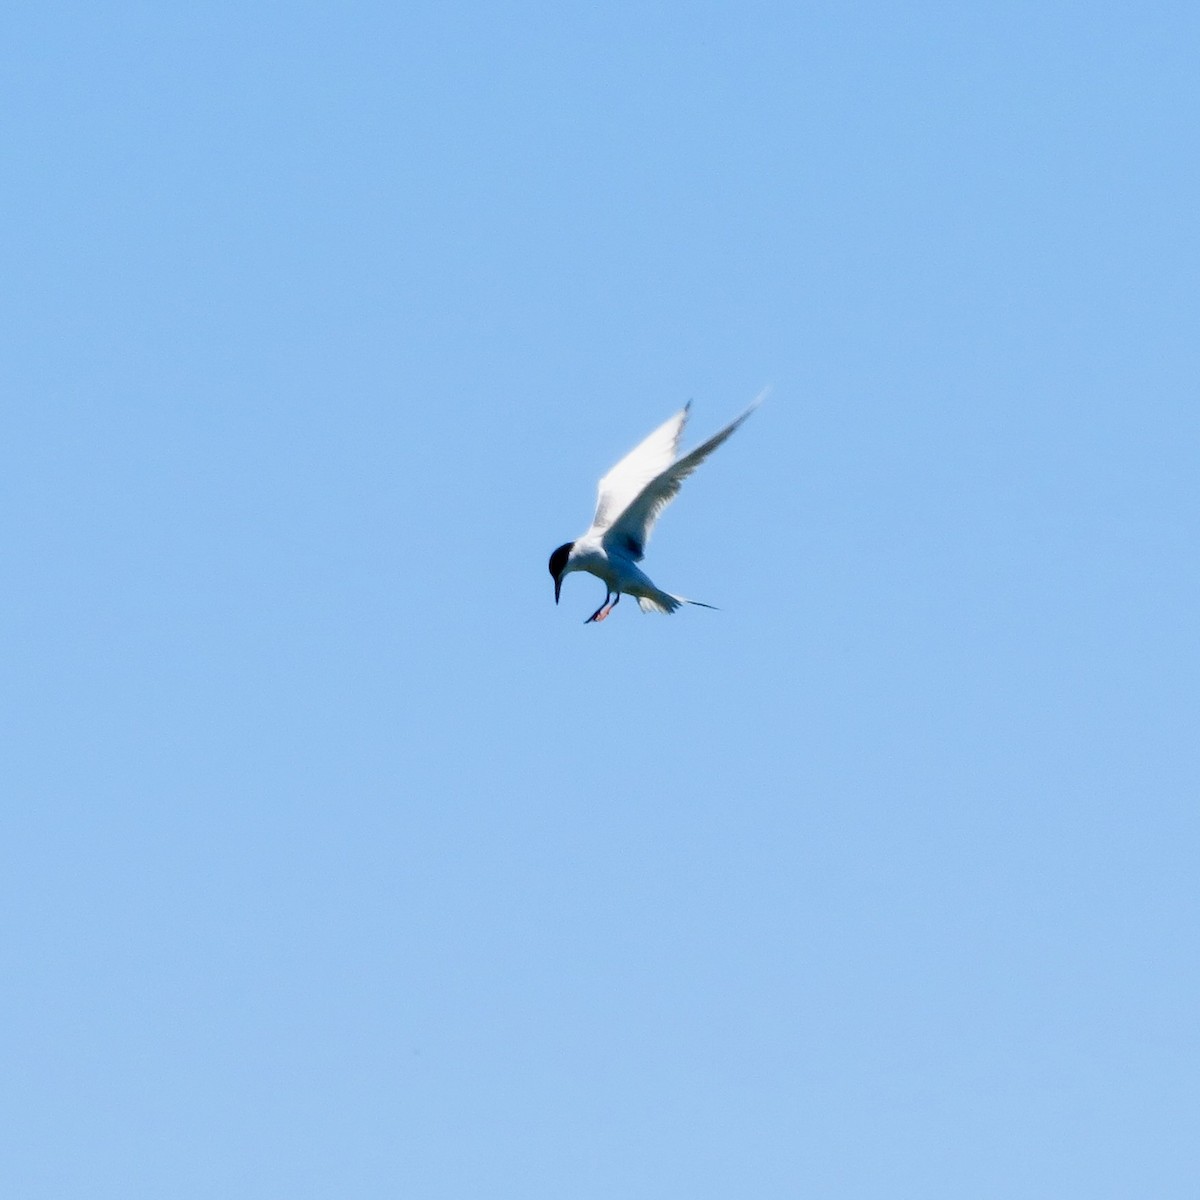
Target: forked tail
{"type": "Point", "coordinates": [664, 602]}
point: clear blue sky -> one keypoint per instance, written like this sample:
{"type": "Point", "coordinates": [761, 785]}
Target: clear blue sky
{"type": "Point", "coordinates": [336, 861]}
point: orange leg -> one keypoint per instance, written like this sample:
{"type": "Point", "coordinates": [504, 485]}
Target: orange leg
{"type": "Point", "coordinates": [604, 609]}
{"type": "Point", "coordinates": [601, 612]}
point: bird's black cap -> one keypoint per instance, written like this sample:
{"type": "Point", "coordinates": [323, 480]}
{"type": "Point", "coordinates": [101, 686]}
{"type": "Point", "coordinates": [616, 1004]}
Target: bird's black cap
{"type": "Point", "coordinates": [558, 560]}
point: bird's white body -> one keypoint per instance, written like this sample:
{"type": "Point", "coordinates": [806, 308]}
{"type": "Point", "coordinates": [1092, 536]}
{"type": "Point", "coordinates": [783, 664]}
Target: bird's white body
{"type": "Point", "coordinates": [619, 574]}
{"type": "Point", "coordinates": [631, 497]}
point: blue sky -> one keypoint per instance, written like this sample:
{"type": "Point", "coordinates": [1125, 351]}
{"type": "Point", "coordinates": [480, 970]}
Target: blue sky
{"type": "Point", "coordinates": [336, 860]}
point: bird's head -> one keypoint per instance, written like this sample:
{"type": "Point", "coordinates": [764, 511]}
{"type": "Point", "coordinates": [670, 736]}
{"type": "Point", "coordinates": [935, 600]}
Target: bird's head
{"type": "Point", "coordinates": [558, 564]}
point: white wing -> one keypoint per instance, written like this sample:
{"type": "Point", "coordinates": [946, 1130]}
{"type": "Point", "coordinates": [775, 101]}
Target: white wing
{"type": "Point", "coordinates": [631, 530]}
{"type": "Point", "coordinates": [649, 458]}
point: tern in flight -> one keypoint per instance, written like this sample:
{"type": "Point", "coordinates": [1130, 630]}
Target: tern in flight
{"type": "Point", "coordinates": [631, 498]}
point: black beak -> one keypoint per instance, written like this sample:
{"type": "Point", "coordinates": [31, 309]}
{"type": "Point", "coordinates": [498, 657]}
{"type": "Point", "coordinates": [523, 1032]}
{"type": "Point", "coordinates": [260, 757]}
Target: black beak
{"type": "Point", "coordinates": [557, 587]}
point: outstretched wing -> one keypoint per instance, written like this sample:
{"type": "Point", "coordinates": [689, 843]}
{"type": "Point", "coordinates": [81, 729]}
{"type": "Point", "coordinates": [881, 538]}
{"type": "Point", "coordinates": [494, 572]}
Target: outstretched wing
{"type": "Point", "coordinates": [631, 530]}
{"type": "Point", "coordinates": [651, 457]}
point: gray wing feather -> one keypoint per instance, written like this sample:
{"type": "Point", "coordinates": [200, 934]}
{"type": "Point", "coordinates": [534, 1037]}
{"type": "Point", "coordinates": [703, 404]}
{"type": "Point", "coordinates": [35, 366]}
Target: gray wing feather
{"type": "Point", "coordinates": [630, 532]}
{"type": "Point", "coordinates": [647, 459]}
